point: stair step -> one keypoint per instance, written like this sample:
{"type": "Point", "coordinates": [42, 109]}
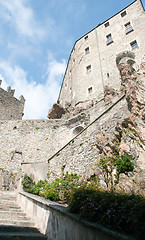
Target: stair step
{"type": "Point", "coordinates": [4, 206]}
{"type": "Point", "coordinates": [7, 198]}
{"type": "Point", "coordinates": [6, 228]}
{"type": "Point", "coordinates": [13, 216]}
{"type": "Point", "coordinates": [20, 233]}
{"type": "Point", "coordinates": [16, 223]}
{"type": "Point", "coordinates": [22, 236]}
{"type": "Point", "coordinates": [4, 200]}
{"type": "Point", "coordinates": [11, 210]}
{"type": "Point", "coordinates": [14, 213]}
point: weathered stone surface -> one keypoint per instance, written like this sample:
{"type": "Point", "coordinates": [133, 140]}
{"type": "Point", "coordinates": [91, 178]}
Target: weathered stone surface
{"type": "Point", "coordinates": [56, 111]}
{"type": "Point", "coordinates": [120, 130]}
{"type": "Point", "coordinates": [109, 92]}
{"type": "Point", "coordinates": [10, 107]}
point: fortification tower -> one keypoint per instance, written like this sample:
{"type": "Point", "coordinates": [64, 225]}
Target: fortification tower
{"type": "Point", "coordinates": [92, 62]}
{"type": "Point", "coordinates": [10, 107]}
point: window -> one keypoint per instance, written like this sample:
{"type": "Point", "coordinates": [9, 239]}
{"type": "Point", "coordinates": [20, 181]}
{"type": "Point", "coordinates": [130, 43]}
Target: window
{"type": "Point", "coordinates": [128, 28]}
{"type": "Point", "coordinates": [87, 50]}
{"type": "Point", "coordinates": [123, 14]}
{"type": "Point", "coordinates": [134, 45]}
{"type": "Point", "coordinates": [109, 39]}
{"type": "Point", "coordinates": [90, 90]}
{"type": "Point", "coordinates": [106, 24]}
{"type": "Point", "coordinates": [86, 37]}
{"type": "Point", "coordinates": [88, 68]}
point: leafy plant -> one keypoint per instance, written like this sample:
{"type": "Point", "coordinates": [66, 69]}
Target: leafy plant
{"type": "Point", "coordinates": [107, 165]}
{"type": "Point", "coordinates": [120, 212]}
{"type": "Point", "coordinates": [121, 164]}
{"type": "Point", "coordinates": [28, 183]}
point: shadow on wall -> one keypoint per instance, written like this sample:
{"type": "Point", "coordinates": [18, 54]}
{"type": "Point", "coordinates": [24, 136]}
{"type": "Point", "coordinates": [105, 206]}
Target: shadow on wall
{"type": "Point", "coordinates": [64, 225]}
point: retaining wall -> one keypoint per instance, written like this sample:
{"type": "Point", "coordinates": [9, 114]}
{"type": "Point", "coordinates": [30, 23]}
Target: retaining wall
{"type": "Point", "coordinates": [58, 223]}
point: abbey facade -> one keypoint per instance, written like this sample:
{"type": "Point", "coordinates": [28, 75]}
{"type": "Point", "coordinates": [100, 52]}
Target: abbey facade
{"type": "Point", "coordinates": [92, 62]}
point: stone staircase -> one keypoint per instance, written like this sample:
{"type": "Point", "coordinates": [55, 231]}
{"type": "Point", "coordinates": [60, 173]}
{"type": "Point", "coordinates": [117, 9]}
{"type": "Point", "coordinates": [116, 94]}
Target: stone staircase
{"type": "Point", "coordinates": [14, 225]}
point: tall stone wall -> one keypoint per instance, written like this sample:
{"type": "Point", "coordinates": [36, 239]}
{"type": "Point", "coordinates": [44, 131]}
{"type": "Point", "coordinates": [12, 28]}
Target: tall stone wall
{"type": "Point", "coordinates": [34, 141]}
{"type": "Point", "coordinates": [10, 107]}
{"type": "Point", "coordinates": [92, 62]}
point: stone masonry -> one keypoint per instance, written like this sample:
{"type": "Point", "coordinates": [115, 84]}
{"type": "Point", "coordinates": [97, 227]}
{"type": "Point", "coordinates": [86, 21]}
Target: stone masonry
{"type": "Point", "coordinates": [110, 120]}
{"type": "Point", "coordinates": [10, 107]}
{"type": "Point", "coordinates": [92, 62]}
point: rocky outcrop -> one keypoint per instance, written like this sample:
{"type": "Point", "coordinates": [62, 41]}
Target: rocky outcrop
{"type": "Point", "coordinates": [109, 92]}
{"type": "Point", "coordinates": [56, 111]}
{"type": "Point", "coordinates": [120, 130]}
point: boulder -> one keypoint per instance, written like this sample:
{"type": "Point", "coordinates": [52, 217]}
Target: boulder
{"type": "Point", "coordinates": [56, 111]}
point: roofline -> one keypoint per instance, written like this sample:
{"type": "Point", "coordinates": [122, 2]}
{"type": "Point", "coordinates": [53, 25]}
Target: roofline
{"type": "Point", "coordinates": [88, 33]}
{"type": "Point", "coordinates": [142, 5]}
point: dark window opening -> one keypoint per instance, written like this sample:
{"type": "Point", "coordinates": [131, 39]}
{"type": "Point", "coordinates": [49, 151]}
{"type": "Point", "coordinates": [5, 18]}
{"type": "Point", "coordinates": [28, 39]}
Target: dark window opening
{"type": "Point", "coordinates": [106, 24]}
{"type": "Point", "coordinates": [109, 39]}
{"type": "Point", "coordinates": [88, 68]}
{"type": "Point", "coordinates": [90, 90]}
{"type": "Point", "coordinates": [87, 50]}
{"type": "Point", "coordinates": [123, 14]}
{"type": "Point", "coordinates": [128, 28]}
{"type": "Point", "coordinates": [134, 45]}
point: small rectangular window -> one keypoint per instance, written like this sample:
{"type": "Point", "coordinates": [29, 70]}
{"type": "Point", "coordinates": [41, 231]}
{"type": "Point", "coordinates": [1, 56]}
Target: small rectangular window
{"type": "Point", "coordinates": [87, 50]}
{"type": "Point", "coordinates": [109, 39]}
{"type": "Point", "coordinates": [128, 28]}
{"type": "Point", "coordinates": [88, 68]}
{"type": "Point", "coordinates": [134, 45]}
{"type": "Point", "coordinates": [90, 90]}
{"type": "Point", "coordinates": [106, 24]}
{"type": "Point", "coordinates": [86, 37]}
{"type": "Point", "coordinates": [123, 14]}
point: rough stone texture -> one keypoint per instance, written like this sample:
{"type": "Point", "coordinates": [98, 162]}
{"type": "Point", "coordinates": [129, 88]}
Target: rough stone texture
{"type": "Point", "coordinates": [56, 111]}
{"type": "Point", "coordinates": [120, 130]}
{"type": "Point", "coordinates": [33, 141]}
{"type": "Point", "coordinates": [80, 85]}
{"type": "Point", "coordinates": [10, 107]}
{"type": "Point", "coordinates": [109, 92]}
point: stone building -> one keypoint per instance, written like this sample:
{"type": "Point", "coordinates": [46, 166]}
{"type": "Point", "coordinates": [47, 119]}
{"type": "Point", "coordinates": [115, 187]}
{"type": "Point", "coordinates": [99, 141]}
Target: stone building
{"type": "Point", "coordinates": [10, 107]}
{"type": "Point", "coordinates": [92, 62]}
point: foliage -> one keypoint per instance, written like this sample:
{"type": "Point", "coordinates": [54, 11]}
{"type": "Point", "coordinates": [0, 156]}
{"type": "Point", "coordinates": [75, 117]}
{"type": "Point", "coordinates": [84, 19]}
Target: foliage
{"type": "Point", "coordinates": [107, 165]}
{"type": "Point", "coordinates": [121, 164]}
{"type": "Point", "coordinates": [116, 211]}
{"type": "Point", "coordinates": [60, 189]}
{"type": "Point", "coordinates": [28, 183]}
{"type": "Point", "coordinates": [120, 212]}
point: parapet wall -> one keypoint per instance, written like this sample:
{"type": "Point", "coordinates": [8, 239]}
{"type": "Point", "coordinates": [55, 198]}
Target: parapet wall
{"type": "Point", "coordinates": [10, 107]}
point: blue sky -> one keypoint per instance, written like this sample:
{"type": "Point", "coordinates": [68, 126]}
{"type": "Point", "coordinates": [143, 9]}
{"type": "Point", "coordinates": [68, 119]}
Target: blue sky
{"type": "Point", "coordinates": [36, 38]}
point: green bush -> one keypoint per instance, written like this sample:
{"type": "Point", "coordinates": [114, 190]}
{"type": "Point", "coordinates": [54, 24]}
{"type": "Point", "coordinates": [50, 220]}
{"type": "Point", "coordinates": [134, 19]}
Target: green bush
{"type": "Point", "coordinates": [28, 183]}
{"type": "Point", "coordinates": [120, 212]}
{"type": "Point", "coordinates": [116, 211]}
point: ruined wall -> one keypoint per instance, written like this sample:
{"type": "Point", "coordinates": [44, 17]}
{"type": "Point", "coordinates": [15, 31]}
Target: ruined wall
{"type": "Point", "coordinates": [10, 107]}
{"type": "Point", "coordinates": [83, 83]}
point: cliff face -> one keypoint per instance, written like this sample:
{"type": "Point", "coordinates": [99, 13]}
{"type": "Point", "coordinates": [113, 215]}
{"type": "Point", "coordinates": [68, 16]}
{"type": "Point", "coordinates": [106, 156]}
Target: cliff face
{"type": "Point", "coordinates": [119, 130]}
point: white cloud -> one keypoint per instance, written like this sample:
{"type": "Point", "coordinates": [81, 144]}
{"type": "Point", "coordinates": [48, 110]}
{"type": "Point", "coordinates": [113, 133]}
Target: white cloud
{"type": "Point", "coordinates": [39, 97]}
{"type": "Point", "coordinates": [21, 17]}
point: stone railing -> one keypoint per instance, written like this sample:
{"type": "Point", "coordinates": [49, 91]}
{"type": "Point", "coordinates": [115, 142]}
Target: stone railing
{"type": "Point", "coordinates": [58, 223]}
